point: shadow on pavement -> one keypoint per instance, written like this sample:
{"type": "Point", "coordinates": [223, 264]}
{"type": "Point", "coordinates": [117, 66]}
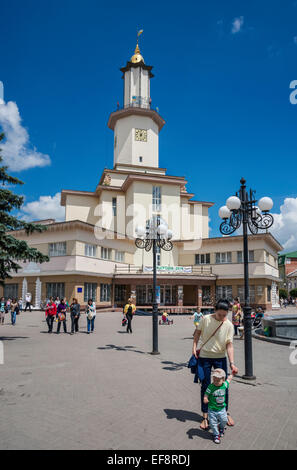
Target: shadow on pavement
{"type": "Point", "coordinates": [199, 433]}
{"type": "Point", "coordinates": [183, 415]}
{"type": "Point", "coordinates": [12, 338]}
{"type": "Point", "coordinates": [174, 365]}
{"type": "Point", "coordinates": [121, 348]}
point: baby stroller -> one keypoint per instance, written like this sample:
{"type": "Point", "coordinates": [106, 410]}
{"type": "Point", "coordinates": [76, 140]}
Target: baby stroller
{"type": "Point", "coordinates": [165, 320]}
{"type": "Point", "coordinates": [257, 320]}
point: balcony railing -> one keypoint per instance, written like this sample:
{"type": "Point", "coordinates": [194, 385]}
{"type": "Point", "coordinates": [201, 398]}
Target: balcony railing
{"type": "Point", "coordinates": [168, 270]}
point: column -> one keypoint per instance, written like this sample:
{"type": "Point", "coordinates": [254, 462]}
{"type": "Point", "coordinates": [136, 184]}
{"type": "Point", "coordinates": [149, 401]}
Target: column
{"type": "Point", "coordinates": [199, 296]}
{"type": "Point", "coordinates": [180, 296]}
{"type": "Point", "coordinates": [133, 293]}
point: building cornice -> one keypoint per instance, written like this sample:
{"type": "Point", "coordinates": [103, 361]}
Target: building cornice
{"type": "Point", "coordinates": [132, 111]}
{"type": "Point", "coordinates": [72, 192]}
{"type": "Point", "coordinates": [133, 65]}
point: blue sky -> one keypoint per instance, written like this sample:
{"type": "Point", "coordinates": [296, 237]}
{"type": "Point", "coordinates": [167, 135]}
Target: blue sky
{"type": "Point", "coordinates": [222, 75]}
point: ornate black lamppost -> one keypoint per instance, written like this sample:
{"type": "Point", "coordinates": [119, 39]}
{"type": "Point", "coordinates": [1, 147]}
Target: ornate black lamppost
{"type": "Point", "coordinates": [242, 210]}
{"type": "Point", "coordinates": [155, 235]}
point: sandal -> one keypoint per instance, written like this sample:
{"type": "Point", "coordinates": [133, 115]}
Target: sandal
{"type": "Point", "coordinates": [230, 421]}
{"type": "Point", "coordinates": [203, 426]}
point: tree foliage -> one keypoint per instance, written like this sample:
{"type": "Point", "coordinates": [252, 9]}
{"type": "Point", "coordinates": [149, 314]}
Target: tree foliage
{"type": "Point", "coordinates": [293, 293]}
{"type": "Point", "coordinates": [13, 250]}
{"type": "Point", "coordinates": [283, 294]}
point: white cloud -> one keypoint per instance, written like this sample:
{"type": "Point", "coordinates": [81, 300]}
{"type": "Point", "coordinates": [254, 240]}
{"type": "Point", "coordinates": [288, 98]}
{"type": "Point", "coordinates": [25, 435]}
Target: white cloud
{"type": "Point", "coordinates": [237, 24]}
{"type": "Point", "coordinates": [17, 152]}
{"type": "Point", "coordinates": [284, 228]}
{"type": "Point", "coordinates": [46, 207]}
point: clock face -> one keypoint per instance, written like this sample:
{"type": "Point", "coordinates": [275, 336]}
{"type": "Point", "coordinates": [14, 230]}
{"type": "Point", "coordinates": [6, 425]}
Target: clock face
{"type": "Point", "coordinates": [141, 134]}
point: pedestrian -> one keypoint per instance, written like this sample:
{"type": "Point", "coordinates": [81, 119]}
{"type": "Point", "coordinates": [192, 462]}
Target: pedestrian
{"type": "Point", "coordinates": [61, 316]}
{"type": "Point", "coordinates": [20, 302]}
{"type": "Point", "coordinates": [197, 317]}
{"type": "Point", "coordinates": [2, 310]}
{"type": "Point", "coordinates": [74, 315]}
{"type": "Point", "coordinates": [129, 311]}
{"type": "Point", "coordinates": [8, 306]}
{"type": "Point", "coordinates": [14, 311]}
{"type": "Point", "coordinates": [50, 313]}
{"type": "Point", "coordinates": [91, 315]}
{"type": "Point", "coordinates": [57, 301]}
{"type": "Point", "coordinates": [214, 338]}
{"type": "Point", "coordinates": [28, 299]}
{"type": "Point", "coordinates": [215, 399]}
{"type": "Point", "coordinates": [236, 315]}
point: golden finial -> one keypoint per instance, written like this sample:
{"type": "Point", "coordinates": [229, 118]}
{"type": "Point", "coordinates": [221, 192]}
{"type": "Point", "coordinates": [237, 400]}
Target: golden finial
{"type": "Point", "coordinates": [137, 57]}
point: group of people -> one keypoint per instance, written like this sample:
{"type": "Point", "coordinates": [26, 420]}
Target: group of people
{"type": "Point", "coordinates": [12, 306]}
{"type": "Point", "coordinates": [56, 310]}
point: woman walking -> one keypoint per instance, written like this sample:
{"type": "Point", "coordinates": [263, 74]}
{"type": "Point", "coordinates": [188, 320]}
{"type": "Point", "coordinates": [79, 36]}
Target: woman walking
{"type": "Point", "coordinates": [236, 315]}
{"type": "Point", "coordinates": [74, 315]}
{"type": "Point", "coordinates": [129, 311]}
{"type": "Point", "coordinates": [91, 315]}
{"type": "Point", "coordinates": [14, 310]}
{"type": "Point", "coordinates": [213, 340]}
{"type": "Point", "coordinates": [61, 315]}
{"type": "Point", "coordinates": [50, 313]}
{"type": "Point", "coordinates": [2, 310]}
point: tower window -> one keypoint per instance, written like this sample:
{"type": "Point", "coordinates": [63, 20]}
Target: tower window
{"type": "Point", "coordinates": [140, 159]}
{"type": "Point", "coordinates": [156, 198]}
{"type": "Point", "coordinates": [114, 206]}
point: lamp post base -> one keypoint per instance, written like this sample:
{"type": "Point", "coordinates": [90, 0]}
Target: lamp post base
{"type": "Point", "coordinates": [154, 353]}
{"type": "Point", "coordinates": [248, 377]}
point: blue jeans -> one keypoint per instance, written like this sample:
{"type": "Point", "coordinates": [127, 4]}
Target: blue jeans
{"type": "Point", "coordinates": [207, 364]}
{"type": "Point", "coordinates": [91, 324]}
{"type": "Point", "coordinates": [217, 420]}
{"type": "Point", "coordinates": [13, 317]}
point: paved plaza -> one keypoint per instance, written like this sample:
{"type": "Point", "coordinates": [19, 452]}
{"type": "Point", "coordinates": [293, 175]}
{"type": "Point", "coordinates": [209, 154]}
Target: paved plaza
{"type": "Point", "coordinates": [104, 391]}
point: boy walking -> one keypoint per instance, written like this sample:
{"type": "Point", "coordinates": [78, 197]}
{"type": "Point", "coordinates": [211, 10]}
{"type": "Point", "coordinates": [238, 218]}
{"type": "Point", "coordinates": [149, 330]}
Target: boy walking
{"type": "Point", "coordinates": [215, 397]}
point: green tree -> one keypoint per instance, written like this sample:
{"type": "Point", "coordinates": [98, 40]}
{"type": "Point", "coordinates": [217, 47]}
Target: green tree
{"type": "Point", "coordinates": [283, 294]}
{"type": "Point", "coordinates": [13, 250]}
{"type": "Point", "coordinates": [293, 293]}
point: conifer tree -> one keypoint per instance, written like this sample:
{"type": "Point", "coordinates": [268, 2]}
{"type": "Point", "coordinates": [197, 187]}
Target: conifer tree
{"type": "Point", "coordinates": [13, 250]}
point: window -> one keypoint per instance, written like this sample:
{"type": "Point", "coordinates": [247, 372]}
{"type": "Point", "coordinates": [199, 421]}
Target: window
{"type": "Point", "coordinates": [119, 256]}
{"type": "Point", "coordinates": [104, 292]}
{"type": "Point", "coordinates": [119, 293]}
{"type": "Point", "coordinates": [268, 293]}
{"type": "Point", "coordinates": [224, 292]}
{"type": "Point", "coordinates": [240, 290]}
{"type": "Point", "coordinates": [140, 159]}
{"type": "Point", "coordinates": [90, 292]}
{"type": "Point", "coordinates": [57, 249]}
{"type": "Point", "coordinates": [156, 198]}
{"type": "Point", "coordinates": [206, 295]}
{"type": "Point", "coordinates": [114, 206]}
{"type": "Point", "coordinates": [259, 291]}
{"type": "Point", "coordinates": [202, 259]}
{"type": "Point", "coordinates": [90, 250]}
{"type": "Point", "coordinates": [240, 256]}
{"type": "Point", "coordinates": [224, 257]}
{"type": "Point", "coordinates": [11, 291]}
{"type": "Point", "coordinates": [105, 253]}
{"type": "Point", "coordinates": [55, 289]}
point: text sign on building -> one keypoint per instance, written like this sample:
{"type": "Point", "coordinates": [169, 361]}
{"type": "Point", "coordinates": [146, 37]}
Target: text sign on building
{"type": "Point", "coordinates": [169, 269]}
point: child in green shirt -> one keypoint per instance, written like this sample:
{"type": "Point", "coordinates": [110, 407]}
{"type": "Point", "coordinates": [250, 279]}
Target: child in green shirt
{"type": "Point", "coordinates": [215, 398]}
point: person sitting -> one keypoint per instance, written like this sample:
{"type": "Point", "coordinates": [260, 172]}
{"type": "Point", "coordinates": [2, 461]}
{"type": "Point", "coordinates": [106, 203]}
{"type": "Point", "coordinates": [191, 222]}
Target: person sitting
{"type": "Point", "coordinates": [165, 317]}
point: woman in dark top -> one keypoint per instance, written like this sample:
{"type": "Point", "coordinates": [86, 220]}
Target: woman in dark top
{"type": "Point", "coordinates": [129, 311]}
{"type": "Point", "coordinates": [74, 314]}
{"type": "Point", "coordinates": [61, 315]}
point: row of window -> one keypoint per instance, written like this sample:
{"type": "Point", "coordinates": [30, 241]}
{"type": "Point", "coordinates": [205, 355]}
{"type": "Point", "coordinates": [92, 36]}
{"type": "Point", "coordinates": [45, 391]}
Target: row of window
{"type": "Point", "coordinates": [225, 292]}
{"type": "Point", "coordinates": [57, 289]}
{"type": "Point", "coordinates": [221, 258]}
{"type": "Point", "coordinates": [59, 249]}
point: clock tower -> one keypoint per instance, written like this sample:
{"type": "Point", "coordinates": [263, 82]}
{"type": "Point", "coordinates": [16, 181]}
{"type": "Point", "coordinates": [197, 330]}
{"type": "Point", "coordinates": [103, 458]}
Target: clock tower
{"type": "Point", "coordinates": [136, 125]}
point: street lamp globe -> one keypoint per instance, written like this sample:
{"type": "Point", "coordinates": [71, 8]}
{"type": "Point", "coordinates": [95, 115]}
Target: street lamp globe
{"type": "Point", "coordinates": [224, 212]}
{"type": "Point", "coordinates": [140, 231]}
{"type": "Point", "coordinates": [162, 229]}
{"type": "Point", "coordinates": [233, 203]}
{"type": "Point", "coordinates": [265, 204]}
{"type": "Point", "coordinates": [169, 234]}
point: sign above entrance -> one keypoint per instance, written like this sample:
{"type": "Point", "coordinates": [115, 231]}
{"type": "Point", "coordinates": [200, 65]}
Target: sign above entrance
{"type": "Point", "coordinates": [169, 269]}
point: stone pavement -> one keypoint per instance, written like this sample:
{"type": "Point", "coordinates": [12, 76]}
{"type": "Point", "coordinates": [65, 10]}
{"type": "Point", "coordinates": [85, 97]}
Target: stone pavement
{"type": "Point", "coordinates": [104, 391]}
